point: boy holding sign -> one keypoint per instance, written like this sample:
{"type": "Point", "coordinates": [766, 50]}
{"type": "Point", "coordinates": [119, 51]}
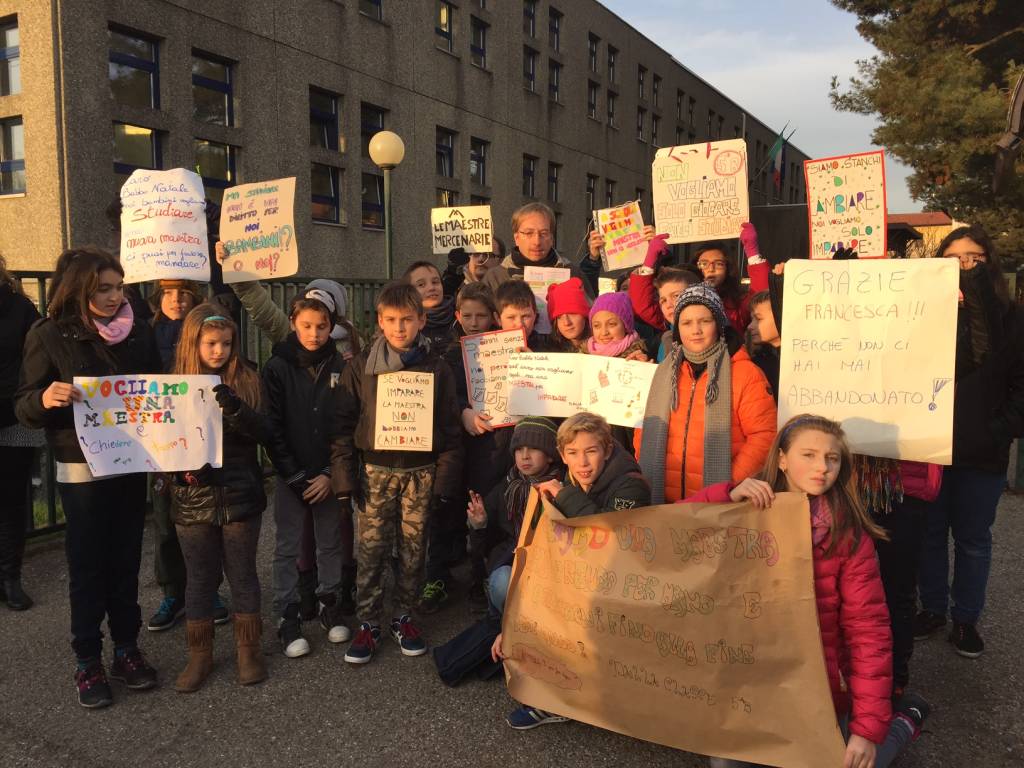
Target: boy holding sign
{"type": "Point", "coordinates": [396, 443]}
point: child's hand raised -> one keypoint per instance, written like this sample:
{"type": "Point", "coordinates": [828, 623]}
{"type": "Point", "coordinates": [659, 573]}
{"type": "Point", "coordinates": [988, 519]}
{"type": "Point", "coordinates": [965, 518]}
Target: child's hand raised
{"type": "Point", "coordinates": [594, 243]}
{"type": "Point", "coordinates": [220, 251]}
{"type": "Point", "coordinates": [475, 511]}
{"type": "Point", "coordinates": [757, 492]}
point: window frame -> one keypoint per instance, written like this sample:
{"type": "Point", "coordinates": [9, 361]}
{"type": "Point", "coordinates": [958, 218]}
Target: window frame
{"type": "Point", "coordinates": [157, 151]}
{"type": "Point", "coordinates": [376, 13]}
{"type": "Point", "coordinates": [127, 60]}
{"type": "Point", "coordinates": [592, 91]}
{"type": "Point", "coordinates": [555, 28]}
{"type": "Point", "coordinates": [656, 90]}
{"type": "Point", "coordinates": [641, 75]}
{"type": "Point", "coordinates": [480, 158]}
{"type": "Point", "coordinates": [641, 121]}
{"type": "Point", "coordinates": [554, 177]}
{"type": "Point", "coordinates": [554, 81]}
{"type": "Point", "coordinates": [593, 46]}
{"type": "Point", "coordinates": [612, 97]}
{"type": "Point", "coordinates": [372, 207]}
{"type": "Point", "coordinates": [591, 192]}
{"type": "Point", "coordinates": [335, 175]}
{"type": "Point", "coordinates": [529, 176]}
{"type": "Point", "coordinates": [478, 53]}
{"type": "Point", "coordinates": [364, 135]}
{"type": "Point", "coordinates": [444, 149]}
{"type": "Point", "coordinates": [326, 118]}
{"type": "Point", "coordinates": [14, 164]}
{"type": "Point", "coordinates": [447, 35]}
{"type": "Point", "coordinates": [228, 88]}
{"type": "Point", "coordinates": [232, 162]}
{"type": "Point", "coordinates": [529, 72]}
{"type": "Point", "coordinates": [11, 53]}
{"type": "Point", "coordinates": [613, 55]}
{"type": "Point", "coordinates": [530, 19]}
{"type": "Point", "coordinates": [609, 192]}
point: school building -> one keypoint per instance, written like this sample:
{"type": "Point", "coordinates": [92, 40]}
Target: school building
{"type": "Point", "coordinates": [497, 101]}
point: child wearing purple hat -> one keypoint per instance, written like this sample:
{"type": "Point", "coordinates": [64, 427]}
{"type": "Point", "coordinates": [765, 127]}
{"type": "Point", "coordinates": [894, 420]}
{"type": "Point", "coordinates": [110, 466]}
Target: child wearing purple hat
{"type": "Point", "coordinates": [613, 329]}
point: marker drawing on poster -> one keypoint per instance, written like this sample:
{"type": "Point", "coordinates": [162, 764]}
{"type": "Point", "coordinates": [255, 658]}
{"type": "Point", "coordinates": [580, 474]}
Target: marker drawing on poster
{"type": "Point", "coordinates": [622, 234]}
{"type": "Point", "coordinates": [468, 226]}
{"type": "Point", "coordinates": [846, 204]}
{"type": "Point", "coordinates": [257, 227]}
{"type": "Point", "coordinates": [405, 412]}
{"type": "Point", "coordinates": [539, 278]}
{"type": "Point", "coordinates": [486, 357]}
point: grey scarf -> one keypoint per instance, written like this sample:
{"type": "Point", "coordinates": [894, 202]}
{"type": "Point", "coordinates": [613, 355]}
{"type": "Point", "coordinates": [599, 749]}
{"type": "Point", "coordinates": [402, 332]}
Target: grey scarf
{"type": "Point", "coordinates": [383, 358]}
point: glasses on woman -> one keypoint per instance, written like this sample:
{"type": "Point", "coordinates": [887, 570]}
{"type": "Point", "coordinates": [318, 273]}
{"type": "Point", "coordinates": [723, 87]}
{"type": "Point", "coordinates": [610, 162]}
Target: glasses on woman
{"type": "Point", "coordinates": [710, 266]}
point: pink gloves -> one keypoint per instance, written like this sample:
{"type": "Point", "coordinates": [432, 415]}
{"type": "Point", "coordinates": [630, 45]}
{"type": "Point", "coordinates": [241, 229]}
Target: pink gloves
{"type": "Point", "coordinates": [656, 249]}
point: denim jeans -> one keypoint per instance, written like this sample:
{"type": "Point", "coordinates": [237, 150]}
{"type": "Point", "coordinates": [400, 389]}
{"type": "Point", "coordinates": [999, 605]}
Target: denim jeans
{"type": "Point", "coordinates": [497, 587]}
{"type": "Point", "coordinates": [966, 506]}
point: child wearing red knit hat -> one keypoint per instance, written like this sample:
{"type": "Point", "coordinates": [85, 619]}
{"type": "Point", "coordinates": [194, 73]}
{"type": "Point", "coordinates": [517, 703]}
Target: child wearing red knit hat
{"type": "Point", "coordinates": [568, 310]}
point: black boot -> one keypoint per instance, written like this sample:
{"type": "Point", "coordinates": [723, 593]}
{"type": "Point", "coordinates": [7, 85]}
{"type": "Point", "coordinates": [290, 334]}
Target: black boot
{"type": "Point", "coordinates": [308, 605]}
{"type": "Point", "coordinates": [347, 596]}
{"type": "Point", "coordinates": [17, 599]}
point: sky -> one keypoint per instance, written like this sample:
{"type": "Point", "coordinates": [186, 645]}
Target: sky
{"type": "Point", "coordinates": [776, 61]}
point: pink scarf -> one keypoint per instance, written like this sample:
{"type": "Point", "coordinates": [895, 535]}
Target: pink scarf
{"type": "Point", "coordinates": [612, 348]}
{"type": "Point", "coordinates": [118, 327]}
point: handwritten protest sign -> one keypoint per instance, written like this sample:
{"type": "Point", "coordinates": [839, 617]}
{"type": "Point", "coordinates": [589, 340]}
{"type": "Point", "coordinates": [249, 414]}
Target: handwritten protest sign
{"type": "Point", "coordinates": [606, 285]}
{"type": "Point", "coordinates": [140, 423]}
{"type": "Point", "coordinates": [257, 227]}
{"type": "Point", "coordinates": [700, 190]}
{"type": "Point", "coordinates": [486, 357]}
{"type": "Point", "coordinates": [846, 204]}
{"type": "Point", "coordinates": [873, 345]}
{"type": "Point", "coordinates": [539, 278]}
{"type": "Point", "coordinates": [561, 384]}
{"type": "Point", "coordinates": [689, 625]}
{"type": "Point", "coordinates": [622, 232]}
{"type": "Point", "coordinates": [467, 227]}
{"type": "Point", "coordinates": [163, 227]}
{"type": "Point", "coordinates": [405, 412]}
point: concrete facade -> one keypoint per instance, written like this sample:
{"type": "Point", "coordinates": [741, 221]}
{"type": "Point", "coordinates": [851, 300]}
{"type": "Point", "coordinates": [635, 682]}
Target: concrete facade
{"type": "Point", "coordinates": [399, 63]}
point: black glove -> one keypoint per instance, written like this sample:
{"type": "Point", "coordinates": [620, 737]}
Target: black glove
{"type": "Point", "coordinates": [458, 257]}
{"type": "Point", "coordinates": [228, 401]}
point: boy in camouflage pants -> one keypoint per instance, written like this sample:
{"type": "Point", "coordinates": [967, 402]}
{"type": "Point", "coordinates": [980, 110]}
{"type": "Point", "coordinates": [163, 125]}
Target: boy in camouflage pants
{"type": "Point", "coordinates": [400, 487]}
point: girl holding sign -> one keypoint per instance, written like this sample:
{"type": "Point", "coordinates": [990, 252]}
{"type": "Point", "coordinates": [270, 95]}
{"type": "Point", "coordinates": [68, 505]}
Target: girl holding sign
{"type": "Point", "coordinates": [91, 331]}
{"type": "Point", "coordinates": [217, 512]}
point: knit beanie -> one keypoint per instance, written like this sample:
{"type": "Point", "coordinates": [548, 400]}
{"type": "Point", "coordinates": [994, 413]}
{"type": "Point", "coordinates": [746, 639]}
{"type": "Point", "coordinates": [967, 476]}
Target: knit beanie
{"type": "Point", "coordinates": [340, 297]}
{"type": "Point", "coordinates": [536, 432]}
{"type": "Point", "coordinates": [617, 303]}
{"type": "Point", "coordinates": [706, 296]}
{"type": "Point", "coordinates": [567, 299]}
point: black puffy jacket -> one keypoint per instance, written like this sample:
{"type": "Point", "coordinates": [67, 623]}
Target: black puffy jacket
{"type": "Point", "coordinates": [17, 315]}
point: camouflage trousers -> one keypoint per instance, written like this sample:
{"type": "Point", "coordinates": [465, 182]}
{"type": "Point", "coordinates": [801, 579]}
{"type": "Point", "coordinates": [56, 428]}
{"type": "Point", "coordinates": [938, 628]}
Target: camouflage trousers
{"type": "Point", "coordinates": [397, 503]}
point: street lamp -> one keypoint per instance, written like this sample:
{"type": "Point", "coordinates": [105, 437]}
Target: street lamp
{"type": "Point", "coordinates": [387, 151]}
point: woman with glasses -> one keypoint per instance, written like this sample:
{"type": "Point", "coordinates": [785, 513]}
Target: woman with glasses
{"type": "Point", "coordinates": [722, 274]}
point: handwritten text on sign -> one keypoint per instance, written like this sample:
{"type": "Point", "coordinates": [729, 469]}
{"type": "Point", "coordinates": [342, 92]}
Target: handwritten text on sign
{"type": "Point", "coordinates": [622, 231]}
{"type": "Point", "coordinates": [698, 620]}
{"type": "Point", "coordinates": [846, 204]}
{"type": "Point", "coordinates": [405, 412]}
{"type": "Point", "coordinates": [700, 190]}
{"type": "Point", "coordinates": [486, 357]}
{"type": "Point", "coordinates": [467, 227]}
{"type": "Point", "coordinates": [257, 227]}
{"type": "Point", "coordinates": [164, 423]}
{"type": "Point", "coordinates": [163, 227]}
{"type": "Point", "coordinates": [539, 278]}
{"type": "Point", "coordinates": [872, 344]}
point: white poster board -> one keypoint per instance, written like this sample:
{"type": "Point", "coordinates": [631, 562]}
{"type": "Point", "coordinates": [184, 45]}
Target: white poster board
{"type": "Point", "coordinates": [405, 412]}
{"type": "Point", "coordinates": [466, 226]}
{"type": "Point", "coordinates": [622, 233]}
{"type": "Point", "coordinates": [257, 227]}
{"type": "Point", "coordinates": [846, 204]}
{"type": "Point", "coordinates": [539, 278]}
{"type": "Point", "coordinates": [142, 423]}
{"type": "Point", "coordinates": [486, 356]}
{"type": "Point", "coordinates": [163, 227]}
{"type": "Point", "coordinates": [872, 344]}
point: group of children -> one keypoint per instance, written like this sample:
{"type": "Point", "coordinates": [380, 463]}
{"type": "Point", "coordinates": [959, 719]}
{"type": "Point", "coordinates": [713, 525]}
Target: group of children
{"type": "Point", "coordinates": [709, 433]}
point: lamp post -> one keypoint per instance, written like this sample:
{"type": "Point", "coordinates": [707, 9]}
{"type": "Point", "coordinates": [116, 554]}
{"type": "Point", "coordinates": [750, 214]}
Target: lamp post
{"type": "Point", "coordinates": [387, 151]}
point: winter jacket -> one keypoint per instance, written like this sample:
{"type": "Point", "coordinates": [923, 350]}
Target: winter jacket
{"type": "Point", "coordinates": [59, 351]}
{"type": "Point", "coordinates": [355, 416]}
{"type": "Point", "coordinates": [854, 622]}
{"type": "Point", "coordinates": [167, 332]}
{"type": "Point", "coordinates": [620, 485]}
{"type": "Point", "coordinates": [496, 541]}
{"type": "Point", "coordinates": [768, 358]}
{"type": "Point", "coordinates": [299, 406]}
{"type": "Point", "coordinates": [17, 315]}
{"type": "Point", "coordinates": [753, 427]}
{"type": "Point", "coordinates": [262, 310]}
{"type": "Point", "coordinates": [920, 480]}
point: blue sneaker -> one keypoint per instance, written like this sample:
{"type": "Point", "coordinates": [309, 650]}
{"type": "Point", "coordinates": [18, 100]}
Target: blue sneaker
{"type": "Point", "coordinates": [364, 646]}
{"type": "Point", "coordinates": [220, 611]}
{"type": "Point", "coordinates": [524, 718]}
{"type": "Point", "coordinates": [408, 636]}
{"type": "Point", "coordinates": [171, 609]}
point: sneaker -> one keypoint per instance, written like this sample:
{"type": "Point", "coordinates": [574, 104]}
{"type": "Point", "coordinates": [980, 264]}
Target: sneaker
{"type": "Point", "coordinates": [433, 595]}
{"type": "Point", "coordinates": [220, 611]}
{"type": "Point", "coordinates": [478, 602]}
{"type": "Point", "coordinates": [332, 620]}
{"type": "Point", "coordinates": [364, 646]}
{"type": "Point", "coordinates": [524, 718]}
{"type": "Point", "coordinates": [93, 689]}
{"type": "Point", "coordinates": [289, 632]}
{"type": "Point", "coordinates": [927, 624]}
{"type": "Point", "coordinates": [171, 609]}
{"type": "Point", "coordinates": [913, 710]}
{"type": "Point", "coordinates": [966, 640]}
{"type": "Point", "coordinates": [408, 636]}
{"type": "Point", "coordinates": [131, 668]}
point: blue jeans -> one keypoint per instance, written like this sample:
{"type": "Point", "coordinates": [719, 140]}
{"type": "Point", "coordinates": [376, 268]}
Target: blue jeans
{"type": "Point", "coordinates": [497, 587]}
{"type": "Point", "coordinates": [966, 506]}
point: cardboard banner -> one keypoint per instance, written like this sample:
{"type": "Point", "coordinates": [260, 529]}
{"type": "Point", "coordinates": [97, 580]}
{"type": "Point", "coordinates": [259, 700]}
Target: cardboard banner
{"type": "Point", "coordinates": [485, 357]}
{"type": "Point", "coordinates": [405, 412]}
{"type": "Point", "coordinates": [622, 229]}
{"type": "Point", "coordinates": [257, 227]}
{"type": "Point", "coordinates": [467, 226]}
{"type": "Point", "coordinates": [690, 625]}
{"type": "Point", "coordinates": [564, 383]}
{"type": "Point", "coordinates": [163, 227]}
{"type": "Point", "coordinates": [140, 423]}
{"type": "Point", "coordinates": [846, 204]}
{"type": "Point", "coordinates": [872, 344]}
{"type": "Point", "coordinates": [700, 191]}
{"type": "Point", "coordinates": [539, 278]}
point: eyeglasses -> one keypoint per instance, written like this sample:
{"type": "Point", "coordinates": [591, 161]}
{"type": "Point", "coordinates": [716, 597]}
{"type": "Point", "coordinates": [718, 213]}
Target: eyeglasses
{"type": "Point", "coordinates": [711, 266]}
{"type": "Point", "coordinates": [969, 259]}
{"type": "Point", "coordinates": [529, 234]}
{"type": "Point", "coordinates": [482, 256]}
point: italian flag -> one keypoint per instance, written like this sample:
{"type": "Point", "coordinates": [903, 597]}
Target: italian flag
{"type": "Point", "coordinates": [777, 156]}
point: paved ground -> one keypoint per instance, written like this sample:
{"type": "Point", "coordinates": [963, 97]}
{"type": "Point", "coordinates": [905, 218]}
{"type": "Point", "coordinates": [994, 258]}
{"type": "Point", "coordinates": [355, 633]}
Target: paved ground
{"type": "Point", "coordinates": [318, 710]}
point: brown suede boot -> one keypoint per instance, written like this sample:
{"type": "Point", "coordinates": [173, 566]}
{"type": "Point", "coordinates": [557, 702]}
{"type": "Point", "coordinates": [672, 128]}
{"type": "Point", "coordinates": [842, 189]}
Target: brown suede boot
{"type": "Point", "coordinates": [199, 635]}
{"type": "Point", "coordinates": [248, 632]}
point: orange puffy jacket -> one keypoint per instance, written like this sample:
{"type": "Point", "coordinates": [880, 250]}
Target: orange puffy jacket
{"type": "Point", "coordinates": [753, 427]}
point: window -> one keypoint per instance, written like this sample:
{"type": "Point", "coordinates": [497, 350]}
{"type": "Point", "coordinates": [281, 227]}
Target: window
{"type": "Point", "coordinates": [216, 164]}
{"type": "Point", "coordinates": [135, 147]}
{"type": "Point", "coordinates": [371, 121]}
{"type": "Point", "coordinates": [591, 192]}
{"type": "Point", "coordinates": [711, 121]}
{"type": "Point", "coordinates": [12, 156]}
{"type": "Point", "coordinates": [479, 200]}
{"type": "Point", "coordinates": [592, 44]}
{"type": "Point", "coordinates": [323, 120]}
{"type": "Point", "coordinates": [609, 193]}
{"type": "Point", "coordinates": [446, 198]}
{"type": "Point", "coordinates": [372, 8]}
{"type": "Point", "coordinates": [555, 29]}
{"type": "Point", "coordinates": [530, 18]}
{"type": "Point", "coordinates": [132, 68]}
{"type": "Point", "coordinates": [689, 111]}
{"type": "Point", "coordinates": [680, 98]}
{"type": "Point", "coordinates": [445, 26]}
{"type": "Point", "coordinates": [554, 173]}
{"type": "Point", "coordinates": [641, 117]}
{"type": "Point", "coordinates": [613, 54]}
{"type": "Point", "coordinates": [679, 136]}
{"type": "Point", "coordinates": [478, 161]}
{"type": "Point", "coordinates": [641, 75]}
{"type": "Point", "coordinates": [10, 58]}
{"type": "Point", "coordinates": [445, 148]}
{"type": "Point", "coordinates": [721, 125]}
{"type": "Point", "coordinates": [655, 122]}
{"type": "Point", "coordinates": [611, 108]}
{"type": "Point", "coordinates": [529, 69]}
{"type": "Point", "coordinates": [554, 79]}
{"type": "Point", "coordinates": [736, 131]}
{"type": "Point", "coordinates": [481, 4]}
{"type": "Point", "coordinates": [478, 42]}
{"type": "Point", "coordinates": [592, 99]}
{"type": "Point", "coordinates": [373, 201]}
{"type": "Point", "coordinates": [325, 184]}
{"type": "Point", "coordinates": [655, 90]}
{"type": "Point", "coordinates": [529, 176]}
{"type": "Point", "coordinates": [212, 90]}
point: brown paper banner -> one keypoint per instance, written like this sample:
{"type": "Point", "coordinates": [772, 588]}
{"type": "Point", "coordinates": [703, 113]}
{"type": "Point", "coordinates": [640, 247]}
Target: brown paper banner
{"type": "Point", "coordinates": [689, 625]}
